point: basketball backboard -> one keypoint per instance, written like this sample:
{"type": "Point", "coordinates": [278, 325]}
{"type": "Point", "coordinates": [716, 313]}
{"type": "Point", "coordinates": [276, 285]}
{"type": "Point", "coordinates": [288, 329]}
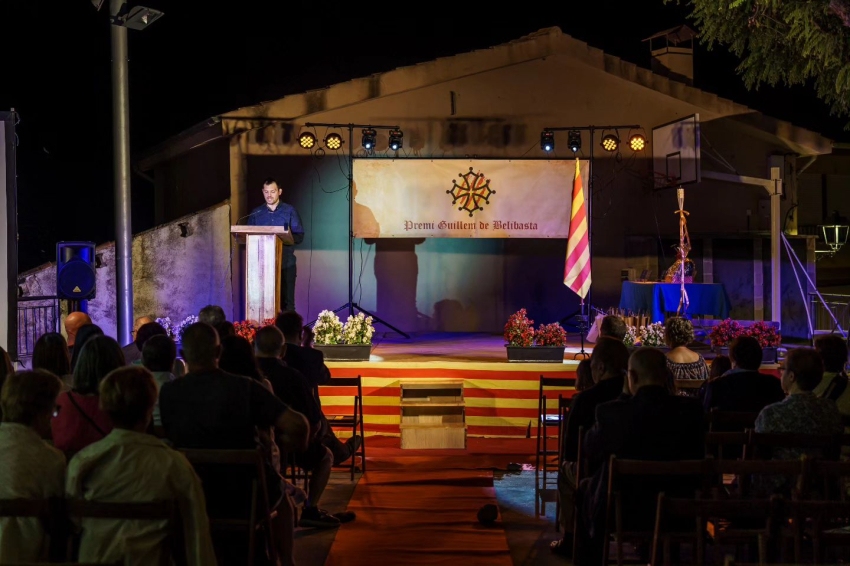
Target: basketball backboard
{"type": "Point", "coordinates": [675, 153]}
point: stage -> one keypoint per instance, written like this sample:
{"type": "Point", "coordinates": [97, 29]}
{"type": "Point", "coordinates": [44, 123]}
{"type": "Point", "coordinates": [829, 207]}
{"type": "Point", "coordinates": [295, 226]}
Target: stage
{"type": "Point", "coordinates": [500, 396]}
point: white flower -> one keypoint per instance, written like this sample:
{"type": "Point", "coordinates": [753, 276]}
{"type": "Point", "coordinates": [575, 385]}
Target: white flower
{"type": "Point", "coordinates": [328, 328]}
{"type": "Point", "coordinates": [358, 329]}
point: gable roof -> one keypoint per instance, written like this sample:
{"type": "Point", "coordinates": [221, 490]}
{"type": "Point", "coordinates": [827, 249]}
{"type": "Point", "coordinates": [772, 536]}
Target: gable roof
{"type": "Point", "coordinates": [542, 43]}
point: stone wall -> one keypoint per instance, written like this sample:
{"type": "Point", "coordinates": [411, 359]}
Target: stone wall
{"type": "Point", "coordinates": [173, 275]}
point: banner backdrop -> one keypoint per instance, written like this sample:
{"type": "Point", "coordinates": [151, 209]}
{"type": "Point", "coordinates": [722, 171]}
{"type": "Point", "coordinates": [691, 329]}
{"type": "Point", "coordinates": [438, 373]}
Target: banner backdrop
{"type": "Point", "coordinates": [463, 198]}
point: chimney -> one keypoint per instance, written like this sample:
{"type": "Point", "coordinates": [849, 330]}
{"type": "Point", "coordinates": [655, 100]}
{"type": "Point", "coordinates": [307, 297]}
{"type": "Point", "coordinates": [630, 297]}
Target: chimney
{"type": "Point", "coordinates": [672, 53]}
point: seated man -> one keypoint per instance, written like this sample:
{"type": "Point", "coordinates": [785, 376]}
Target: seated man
{"type": "Point", "coordinates": [133, 351]}
{"type": "Point", "coordinates": [73, 322]}
{"type": "Point", "coordinates": [608, 365]}
{"type": "Point", "coordinates": [209, 408]}
{"type": "Point", "coordinates": [613, 326]}
{"type": "Point", "coordinates": [743, 388]}
{"type": "Point", "coordinates": [29, 467]}
{"type": "Point", "coordinates": [802, 412]}
{"type": "Point", "coordinates": [292, 388]}
{"type": "Point", "coordinates": [130, 466]}
{"type": "Point", "coordinates": [652, 424]}
{"type": "Point", "coordinates": [158, 357]}
{"type": "Point", "coordinates": [311, 363]}
{"type": "Point", "coordinates": [832, 349]}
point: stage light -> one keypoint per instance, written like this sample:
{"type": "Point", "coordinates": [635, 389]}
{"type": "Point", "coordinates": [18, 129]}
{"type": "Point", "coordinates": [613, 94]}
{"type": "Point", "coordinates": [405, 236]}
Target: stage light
{"type": "Point", "coordinates": [610, 142]}
{"type": "Point", "coordinates": [333, 141]}
{"type": "Point", "coordinates": [396, 139]}
{"type": "Point", "coordinates": [369, 136]}
{"type": "Point", "coordinates": [637, 142]}
{"type": "Point", "coordinates": [307, 140]}
{"type": "Point", "coordinates": [547, 141]}
{"type": "Point", "coordinates": [574, 140]}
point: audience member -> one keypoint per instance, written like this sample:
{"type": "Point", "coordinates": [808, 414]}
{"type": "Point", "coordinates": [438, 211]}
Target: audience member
{"type": "Point", "coordinates": [73, 322]}
{"type": "Point", "coordinates": [225, 329]}
{"type": "Point", "coordinates": [212, 315]}
{"type": "Point", "coordinates": [651, 425]}
{"type": "Point", "coordinates": [801, 412]}
{"type": "Point", "coordinates": [84, 334]}
{"type": "Point", "coordinates": [743, 388]}
{"type": "Point", "coordinates": [29, 467]}
{"type": "Point", "coordinates": [833, 351]}
{"type": "Point", "coordinates": [719, 365]}
{"type": "Point", "coordinates": [683, 362]}
{"type": "Point", "coordinates": [158, 357]}
{"type": "Point", "coordinates": [292, 388]}
{"type": "Point", "coordinates": [299, 355]}
{"type": "Point", "coordinates": [133, 351]}
{"type": "Point", "coordinates": [6, 369]}
{"type": "Point", "coordinates": [613, 326]}
{"type": "Point", "coordinates": [80, 420]}
{"type": "Point", "coordinates": [51, 354]}
{"type": "Point", "coordinates": [608, 365]}
{"type": "Point", "coordinates": [584, 377]}
{"type": "Point", "coordinates": [237, 357]}
{"type": "Point", "coordinates": [130, 466]}
{"type": "Point", "coordinates": [209, 408]}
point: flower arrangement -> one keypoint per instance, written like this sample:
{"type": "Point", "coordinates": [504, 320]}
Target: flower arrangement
{"type": "Point", "coordinates": [166, 323]}
{"type": "Point", "coordinates": [723, 333]}
{"type": "Point", "coordinates": [328, 329]}
{"type": "Point", "coordinates": [766, 334]}
{"type": "Point", "coordinates": [184, 324]}
{"type": "Point", "coordinates": [519, 330]}
{"type": "Point", "coordinates": [550, 335]}
{"type": "Point", "coordinates": [631, 337]}
{"type": "Point", "coordinates": [652, 335]}
{"type": "Point", "coordinates": [246, 329]}
{"type": "Point", "coordinates": [358, 329]}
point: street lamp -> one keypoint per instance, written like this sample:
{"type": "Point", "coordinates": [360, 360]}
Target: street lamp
{"type": "Point", "coordinates": [122, 17]}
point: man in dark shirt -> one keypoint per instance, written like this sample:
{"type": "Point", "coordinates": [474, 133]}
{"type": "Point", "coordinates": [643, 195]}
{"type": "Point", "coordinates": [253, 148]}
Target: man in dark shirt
{"type": "Point", "coordinates": [133, 350]}
{"type": "Point", "coordinates": [277, 213]}
{"type": "Point", "coordinates": [650, 425]}
{"type": "Point", "coordinates": [608, 364]}
{"type": "Point", "coordinates": [311, 363]}
{"type": "Point", "coordinates": [211, 409]}
{"type": "Point", "coordinates": [743, 388]}
{"type": "Point", "coordinates": [292, 388]}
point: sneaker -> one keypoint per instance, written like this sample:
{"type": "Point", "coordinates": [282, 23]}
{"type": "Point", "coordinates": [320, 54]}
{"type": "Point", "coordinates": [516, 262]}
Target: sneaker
{"type": "Point", "coordinates": [317, 518]}
{"type": "Point", "coordinates": [345, 516]}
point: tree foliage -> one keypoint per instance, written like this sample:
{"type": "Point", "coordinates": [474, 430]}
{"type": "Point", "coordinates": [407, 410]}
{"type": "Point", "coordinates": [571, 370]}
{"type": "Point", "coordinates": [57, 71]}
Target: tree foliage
{"type": "Point", "coordinates": [786, 42]}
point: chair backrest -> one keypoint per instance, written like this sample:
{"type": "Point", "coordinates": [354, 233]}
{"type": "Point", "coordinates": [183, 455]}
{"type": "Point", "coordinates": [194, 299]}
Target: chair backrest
{"type": "Point", "coordinates": [39, 508]}
{"type": "Point", "coordinates": [560, 382]}
{"type": "Point", "coordinates": [344, 382]}
{"type": "Point", "coordinates": [825, 479]}
{"type": "Point", "coordinates": [689, 383]}
{"type": "Point", "coordinates": [746, 470]}
{"type": "Point", "coordinates": [719, 420]}
{"type": "Point", "coordinates": [828, 443]}
{"type": "Point", "coordinates": [733, 442]}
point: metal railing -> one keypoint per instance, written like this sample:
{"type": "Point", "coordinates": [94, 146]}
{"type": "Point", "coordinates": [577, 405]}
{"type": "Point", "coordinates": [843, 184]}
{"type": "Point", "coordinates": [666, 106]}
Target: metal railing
{"type": "Point", "coordinates": [838, 305]}
{"type": "Point", "coordinates": [36, 316]}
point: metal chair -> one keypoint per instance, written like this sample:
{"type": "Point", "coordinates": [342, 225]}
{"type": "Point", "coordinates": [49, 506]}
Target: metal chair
{"type": "Point", "coordinates": [544, 466]}
{"type": "Point", "coordinates": [353, 421]}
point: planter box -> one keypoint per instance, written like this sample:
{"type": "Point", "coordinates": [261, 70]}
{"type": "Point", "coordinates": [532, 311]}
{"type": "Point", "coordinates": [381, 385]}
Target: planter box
{"type": "Point", "coordinates": [345, 352]}
{"type": "Point", "coordinates": [551, 354]}
{"type": "Point", "coordinates": [768, 355]}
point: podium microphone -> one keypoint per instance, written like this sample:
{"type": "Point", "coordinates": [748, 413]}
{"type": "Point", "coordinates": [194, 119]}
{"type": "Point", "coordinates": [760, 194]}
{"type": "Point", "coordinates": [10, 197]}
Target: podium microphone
{"type": "Point", "coordinates": [238, 220]}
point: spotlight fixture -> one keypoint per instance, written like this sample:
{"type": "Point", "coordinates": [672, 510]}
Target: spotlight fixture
{"type": "Point", "coordinates": [333, 141]}
{"type": "Point", "coordinates": [637, 142]}
{"type": "Point", "coordinates": [307, 140]}
{"type": "Point", "coordinates": [547, 141]}
{"type": "Point", "coordinates": [369, 136]}
{"type": "Point", "coordinates": [610, 142]}
{"type": "Point", "coordinates": [574, 140]}
{"type": "Point", "coordinates": [396, 139]}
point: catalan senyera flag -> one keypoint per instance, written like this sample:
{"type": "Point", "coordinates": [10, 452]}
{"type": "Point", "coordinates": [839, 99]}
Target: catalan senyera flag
{"type": "Point", "coordinates": [577, 269]}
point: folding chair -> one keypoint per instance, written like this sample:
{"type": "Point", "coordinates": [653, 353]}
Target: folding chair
{"type": "Point", "coordinates": [730, 421]}
{"type": "Point", "coordinates": [78, 509]}
{"type": "Point", "coordinates": [353, 421]}
{"type": "Point", "coordinates": [761, 443]}
{"type": "Point", "coordinates": [825, 480]}
{"type": "Point", "coordinates": [704, 511]}
{"type": "Point", "coordinates": [744, 470]}
{"type": "Point", "coordinates": [48, 512]}
{"type": "Point", "coordinates": [223, 465]}
{"type": "Point", "coordinates": [715, 442]}
{"type": "Point", "coordinates": [546, 420]}
{"type": "Point", "coordinates": [824, 522]}
{"type": "Point", "coordinates": [563, 409]}
{"type": "Point", "coordinates": [645, 472]}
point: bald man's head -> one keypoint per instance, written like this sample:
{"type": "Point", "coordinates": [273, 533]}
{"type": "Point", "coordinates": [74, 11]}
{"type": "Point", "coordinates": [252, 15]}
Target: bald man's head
{"type": "Point", "coordinates": [141, 321]}
{"type": "Point", "coordinates": [73, 322]}
{"type": "Point", "coordinates": [647, 366]}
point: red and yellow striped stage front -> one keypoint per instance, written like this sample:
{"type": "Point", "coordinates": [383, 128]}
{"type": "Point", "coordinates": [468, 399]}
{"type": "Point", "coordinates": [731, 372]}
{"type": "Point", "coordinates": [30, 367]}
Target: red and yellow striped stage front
{"type": "Point", "coordinates": [500, 396]}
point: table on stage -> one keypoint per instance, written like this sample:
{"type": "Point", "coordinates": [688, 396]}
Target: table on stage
{"type": "Point", "coordinates": [656, 299]}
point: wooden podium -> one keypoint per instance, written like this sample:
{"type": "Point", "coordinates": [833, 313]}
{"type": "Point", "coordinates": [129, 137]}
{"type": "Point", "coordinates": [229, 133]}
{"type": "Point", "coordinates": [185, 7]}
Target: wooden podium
{"type": "Point", "coordinates": [263, 250]}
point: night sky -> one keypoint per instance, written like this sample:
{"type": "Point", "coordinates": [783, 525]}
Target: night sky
{"type": "Point", "coordinates": [198, 61]}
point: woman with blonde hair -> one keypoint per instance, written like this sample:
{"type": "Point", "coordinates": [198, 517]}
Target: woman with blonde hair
{"type": "Point", "coordinates": [683, 362]}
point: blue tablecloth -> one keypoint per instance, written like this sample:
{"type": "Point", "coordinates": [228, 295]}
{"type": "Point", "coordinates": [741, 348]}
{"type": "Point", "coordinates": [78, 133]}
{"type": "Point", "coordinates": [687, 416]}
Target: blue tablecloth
{"type": "Point", "coordinates": [658, 298]}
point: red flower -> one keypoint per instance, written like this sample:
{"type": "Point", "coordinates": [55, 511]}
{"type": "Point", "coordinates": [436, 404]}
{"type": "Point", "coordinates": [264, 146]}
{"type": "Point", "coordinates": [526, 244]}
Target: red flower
{"type": "Point", "coordinates": [551, 335]}
{"type": "Point", "coordinates": [519, 330]}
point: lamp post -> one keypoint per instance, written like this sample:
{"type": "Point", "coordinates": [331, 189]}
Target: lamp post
{"type": "Point", "coordinates": [121, 17]}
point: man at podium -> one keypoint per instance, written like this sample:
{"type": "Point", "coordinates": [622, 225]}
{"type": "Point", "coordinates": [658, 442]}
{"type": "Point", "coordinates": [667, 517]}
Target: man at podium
{"type": "Point", "coordinates": [277, 213]}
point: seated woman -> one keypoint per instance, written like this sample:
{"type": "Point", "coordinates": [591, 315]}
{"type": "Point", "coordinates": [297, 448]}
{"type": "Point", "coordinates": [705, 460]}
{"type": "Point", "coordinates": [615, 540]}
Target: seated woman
{"type": "Point", "coordinates": [80, 420]}
{"type": "Point", "coordinates": [129, 466]}
{"type": "Point", "coordinates": [29, 467]}
{"type": "Point", "coordinates": [51, 354]}
{"type": "Point", "coordinates": [683, 362]}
